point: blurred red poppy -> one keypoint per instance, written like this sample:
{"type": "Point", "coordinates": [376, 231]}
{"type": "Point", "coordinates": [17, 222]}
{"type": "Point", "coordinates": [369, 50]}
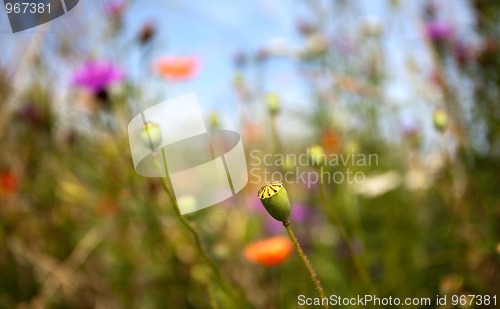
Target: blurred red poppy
{"type": "Point", "coordinates": [252, 132]}
{"type": "Point", "coordinates": [270, 251]}
{"type": "Point", "coordinates": [331, 142]}
{"type": "Point", "coordinates": [106, 207]}
{"type": "Point", "coordinates": [8, 183]}
{"type": "Point", "coordinates": [177, 67]}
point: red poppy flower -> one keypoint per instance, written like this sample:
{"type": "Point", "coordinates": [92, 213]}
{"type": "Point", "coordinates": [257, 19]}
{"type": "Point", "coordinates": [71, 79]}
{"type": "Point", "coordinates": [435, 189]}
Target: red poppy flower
{"type": "Point", "coordinates": [331, 142]}
{"type": "Point", "coordinates": [177, 67]}
{"type": "Point", "coordinates": [270, 251]}
{"type": "Point", "coordinates": [8, 183]}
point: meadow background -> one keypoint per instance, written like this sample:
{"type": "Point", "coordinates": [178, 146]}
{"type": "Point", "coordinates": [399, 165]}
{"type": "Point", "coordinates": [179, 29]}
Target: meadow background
{"type": "Point", "coordinates": [414, 82]}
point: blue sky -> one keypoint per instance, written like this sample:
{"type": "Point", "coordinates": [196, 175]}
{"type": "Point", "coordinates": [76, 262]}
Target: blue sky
{"type": "Point", "coordinates": [217, 32]}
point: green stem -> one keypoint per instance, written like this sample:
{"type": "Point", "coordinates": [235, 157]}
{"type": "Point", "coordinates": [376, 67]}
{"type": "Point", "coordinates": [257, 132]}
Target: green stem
{"type": "Point", "coordinates": [332, 215]}
{"type": "Point", "coordinates": [238, 297]}
{"type": "Point", "coordinates": [275, 135]}
{"type": "Point", "coordinates": [306, 262]}
{"type": "Point", "coordinates": [212, 297]}
{"type": "Point", "coordinates": [199, 247]}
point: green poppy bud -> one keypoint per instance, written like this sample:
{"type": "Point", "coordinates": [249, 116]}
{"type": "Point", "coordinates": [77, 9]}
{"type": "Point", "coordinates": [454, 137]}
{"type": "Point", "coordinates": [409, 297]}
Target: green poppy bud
{"type": "Point", "coordinates": [288, 165]}
{"type": "Point", "coordinates": [316, 45]}
{"type": "Point", "coordinates": [275, 199]}
{"type": "Point", "coordinates": [273, 103]}
{"type": "Point", "coordinates": [151, 135]}
{"type": "Point", "coordinates": [316, 155]}
{"type": "Point", "coordinates": [440, 119]}
{"type": "Point", "coordinates": [214, 121]}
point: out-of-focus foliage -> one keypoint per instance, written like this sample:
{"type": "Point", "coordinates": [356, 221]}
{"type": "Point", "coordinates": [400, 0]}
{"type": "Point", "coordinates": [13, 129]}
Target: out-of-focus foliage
{"type": "Point", "coordinates": [80, 229]}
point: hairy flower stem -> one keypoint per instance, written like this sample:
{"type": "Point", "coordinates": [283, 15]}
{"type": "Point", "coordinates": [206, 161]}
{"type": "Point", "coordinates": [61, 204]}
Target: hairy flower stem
{"type": "Point", "coordinates": [238, 297]}
{"type": "Point", "coordinates": [306, 262]}
{"type": "Point", "coordinates": [332, 216]}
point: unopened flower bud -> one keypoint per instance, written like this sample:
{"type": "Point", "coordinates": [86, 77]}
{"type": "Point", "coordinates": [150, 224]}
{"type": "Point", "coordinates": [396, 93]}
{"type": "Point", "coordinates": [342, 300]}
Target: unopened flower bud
{"type": "Point", "coordinates": [317, 155]}
{"type": "Point", "coordinates": [275, 200]}
{"type": "Point", "coordinates": [273, 103]}
{"type": "Point", "coordinates": [306, 28]}
{"type": "Point", "coordinates": [146, 33]}
{"type": "Point", "coordinates": [288, 165]}
{"type": "Point", "coordinates": [440, 119]}
{"type": "Point", "coordinates": [214, 121]}
{"type": "Point", "coordinates": [151, 135]}
{"type": "Point", "coordinates": [316, 45]}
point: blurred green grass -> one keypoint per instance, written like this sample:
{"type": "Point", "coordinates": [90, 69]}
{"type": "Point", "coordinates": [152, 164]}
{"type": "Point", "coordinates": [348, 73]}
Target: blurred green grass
{"type": "Point", "coordinates": [80, 229]}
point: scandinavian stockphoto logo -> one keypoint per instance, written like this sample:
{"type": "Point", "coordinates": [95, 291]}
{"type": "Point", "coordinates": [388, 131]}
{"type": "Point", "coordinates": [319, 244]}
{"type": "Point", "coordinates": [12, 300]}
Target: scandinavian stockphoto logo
{"type": "Point", "coordinates": [26, 14]}
{"type": "Point", "coordinates": [205, 168]}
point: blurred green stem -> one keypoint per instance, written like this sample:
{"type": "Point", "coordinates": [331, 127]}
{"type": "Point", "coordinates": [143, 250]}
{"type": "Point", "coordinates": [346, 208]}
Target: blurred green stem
{"type": "Point", "coordinates": [275, 134]}
{"type": "Point", "coordinates": [212, 297]}
{"type": "Point", "coordinates": [444, 149]}
{"type": "Point", "coordinates": [332, 216]}
{"type": "Point", "coordinates": [306, 262]}
{"type": "Point", "coordinates": [237, 297]}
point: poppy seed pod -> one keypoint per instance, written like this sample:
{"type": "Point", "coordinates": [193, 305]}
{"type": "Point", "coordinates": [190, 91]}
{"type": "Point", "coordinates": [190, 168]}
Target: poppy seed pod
{"type": "Point", "coordinates": [151, 135]}
{"type": "Point", "coordinates": [316, 155]}
{"type": "Point", "coordinates": [273, 103]}
{"type": "Point", "coordinates": [214, 121]}
{"type": "Point", "coordinates": [275, 200]}
{"type": "Point", "coordinates": [440, 119]}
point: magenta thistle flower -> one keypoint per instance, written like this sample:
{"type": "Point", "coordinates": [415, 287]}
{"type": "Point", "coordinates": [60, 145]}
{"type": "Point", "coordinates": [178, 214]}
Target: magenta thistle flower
{"type": "Point", "coordinates": [438, 30]}
{"type": "Point", "coordinates": [115, 7]}
{"type": "Point", "coordinates": [96, 76]}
